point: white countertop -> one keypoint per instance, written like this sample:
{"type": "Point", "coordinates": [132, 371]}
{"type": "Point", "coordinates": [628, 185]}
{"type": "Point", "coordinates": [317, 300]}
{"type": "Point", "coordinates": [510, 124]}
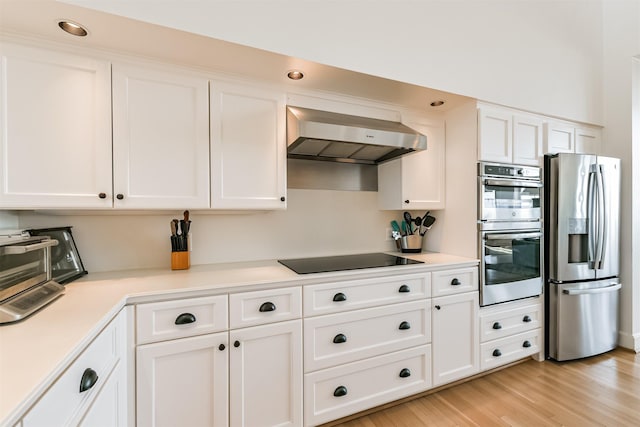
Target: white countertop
{"type": "Point", "coordinates": [35, 351]}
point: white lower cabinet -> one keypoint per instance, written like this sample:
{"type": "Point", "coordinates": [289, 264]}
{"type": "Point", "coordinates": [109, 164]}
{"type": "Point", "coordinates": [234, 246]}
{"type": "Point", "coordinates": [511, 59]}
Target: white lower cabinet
{"type": "Point", "coordinates": [108, 409]}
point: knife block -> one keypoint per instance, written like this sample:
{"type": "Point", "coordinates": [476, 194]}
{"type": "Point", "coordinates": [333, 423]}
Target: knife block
{"type": "Point", "coordinates": [180, 260]}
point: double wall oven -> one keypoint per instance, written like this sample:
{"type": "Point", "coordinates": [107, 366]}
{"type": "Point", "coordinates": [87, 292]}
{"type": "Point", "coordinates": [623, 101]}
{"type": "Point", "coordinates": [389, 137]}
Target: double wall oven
{"type": "Point", "coordinates": [510, 232]}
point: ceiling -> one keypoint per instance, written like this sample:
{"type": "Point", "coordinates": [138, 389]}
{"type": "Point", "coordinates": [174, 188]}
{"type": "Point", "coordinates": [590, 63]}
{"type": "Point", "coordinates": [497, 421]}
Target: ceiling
{"type": "Point", "coordinates": [37, 19]}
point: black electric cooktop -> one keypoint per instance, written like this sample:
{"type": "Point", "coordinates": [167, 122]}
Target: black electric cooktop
{"type": "Point", "coordinates": [344, 262]}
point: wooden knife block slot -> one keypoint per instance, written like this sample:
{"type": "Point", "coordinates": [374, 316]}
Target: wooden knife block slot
{"type": "Point", "coordinates": [180, 260]}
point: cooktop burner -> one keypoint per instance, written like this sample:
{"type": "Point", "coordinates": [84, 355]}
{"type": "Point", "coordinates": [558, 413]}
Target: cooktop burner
{"type": "Point", "coordinates": [344, 262]}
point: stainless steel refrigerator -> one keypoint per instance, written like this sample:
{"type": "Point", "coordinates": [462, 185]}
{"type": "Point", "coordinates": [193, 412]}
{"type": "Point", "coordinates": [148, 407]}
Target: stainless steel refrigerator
{"type": "Point", "coordinates": [582, 255]}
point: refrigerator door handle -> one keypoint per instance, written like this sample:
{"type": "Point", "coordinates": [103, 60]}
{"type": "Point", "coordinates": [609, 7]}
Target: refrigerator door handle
{"type": "Point", "coordinates": [591, 218]}
{"type": "Point", "coordinates": [602, 219]}
{"type": "Point", "coordinates": [604, 289]}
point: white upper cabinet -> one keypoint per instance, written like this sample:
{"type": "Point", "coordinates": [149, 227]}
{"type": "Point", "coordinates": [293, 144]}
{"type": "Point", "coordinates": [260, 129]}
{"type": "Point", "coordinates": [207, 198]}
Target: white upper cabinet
{"type": "Point", "coordinates": [505, 137]}
{"type": "Point", "coordinates": [248, 147]}
{"type": "Point", "coordinates": [415, 181]}
{"type": "Point", "coordinates": [160, 139]}
{"type": "Point", "coordinates": [55, 116]}
{"type": "Point", "coordinates": [588, 140]}
{"type": "Point", "coordinates": [567, 137]}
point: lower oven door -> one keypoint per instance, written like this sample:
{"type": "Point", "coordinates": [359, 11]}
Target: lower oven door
{"type": "Point", "coordinates": [510, 265]}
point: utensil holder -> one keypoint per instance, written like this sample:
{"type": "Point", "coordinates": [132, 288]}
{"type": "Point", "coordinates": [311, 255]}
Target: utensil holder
{"type": "Point", "coordinates": [180, 260]}
{"type": "Point", "coordinates": [411, 243]}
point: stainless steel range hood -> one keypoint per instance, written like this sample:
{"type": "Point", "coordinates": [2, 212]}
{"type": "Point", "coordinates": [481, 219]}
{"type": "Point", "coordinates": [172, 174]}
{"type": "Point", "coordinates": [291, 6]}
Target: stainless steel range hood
{"type": "Point", "coordinates": [322, 135]}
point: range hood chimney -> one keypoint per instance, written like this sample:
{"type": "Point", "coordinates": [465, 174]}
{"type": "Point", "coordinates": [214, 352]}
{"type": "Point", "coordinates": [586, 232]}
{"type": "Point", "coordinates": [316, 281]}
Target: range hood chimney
{"type": "Point", "coordinates": [322, 135]}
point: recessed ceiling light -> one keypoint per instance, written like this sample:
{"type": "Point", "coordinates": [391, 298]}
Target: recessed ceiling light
{"type": "Point", "coordinates": [295, 75]}
{"type": "Point", "coordinates": [73, 28]}
{"type": "Point", "coordinates": [437, 103]}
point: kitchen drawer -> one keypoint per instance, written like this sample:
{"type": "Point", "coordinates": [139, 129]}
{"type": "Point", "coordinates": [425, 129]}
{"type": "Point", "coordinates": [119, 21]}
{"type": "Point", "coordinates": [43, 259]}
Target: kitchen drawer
{"type": "Point", "coordinates": [261, 307]}
{"type": "Point", "coordinates": [498, 322]}
{"type": "Point", "coordinates": [166, 320]}
{"type": "Point", "coordinates": [506, 350]}
{"type": "Point", "coordinates": [349, 295]}
{"type": "Point", "coordinates": [449, 282]}
{"type": "Point", "coordinates": [337, 392]}
{"type": "Point", "coordinates": [63, 403]}
{"type": "Point", "coordinates": [344, 337]}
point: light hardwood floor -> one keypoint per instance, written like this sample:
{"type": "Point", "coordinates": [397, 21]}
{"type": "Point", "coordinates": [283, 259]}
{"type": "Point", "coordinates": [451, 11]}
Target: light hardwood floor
{"type": "Point", "coordinates": [598, 391]}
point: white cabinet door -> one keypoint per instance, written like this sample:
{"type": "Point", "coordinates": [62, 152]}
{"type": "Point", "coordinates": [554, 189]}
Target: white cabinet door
{"type": "Point", "coordinates": [415, 181]}
{"type": "Point", "coordinates": [527, 140]}
{"type": "Point", "coordinates": [559, 138]}
{"type": "Point", "coordinates": [183, 382]}
{"type": "Point", "coordinates": [55, 116]}
{"type": "Point", "coordinates": [160, 139]}
{"type": "Point", "coordinates": [266, 375]}
{"type": "Point", "coordinates": [455, 337]}
{"type": "Point", "coordinates": [109, 407]}
{"type": "Point", "coordinates": [248, 147]}
{"type": "Point", "coordinates": [588, 140]}
{"type": "Point", "coordinates": [495, 135]}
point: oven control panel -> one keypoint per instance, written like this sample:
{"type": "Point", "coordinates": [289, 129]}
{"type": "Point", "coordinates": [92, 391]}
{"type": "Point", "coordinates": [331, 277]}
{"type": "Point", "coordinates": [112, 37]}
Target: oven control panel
{"type": "Point", "coordinates": [508, 171]}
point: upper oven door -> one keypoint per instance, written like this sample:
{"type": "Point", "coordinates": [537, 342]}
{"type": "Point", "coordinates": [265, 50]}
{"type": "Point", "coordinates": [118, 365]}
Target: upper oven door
{"type": "Point", "coordinates": [503, 199]}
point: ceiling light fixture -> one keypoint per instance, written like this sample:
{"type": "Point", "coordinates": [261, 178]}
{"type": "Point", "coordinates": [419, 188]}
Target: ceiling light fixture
{"type": "Point", "coordinates": [73, 28]}
{"type": "Point", "coordinates": [295, 75]}
{"type": "Point", "coordinates": [437, 103]}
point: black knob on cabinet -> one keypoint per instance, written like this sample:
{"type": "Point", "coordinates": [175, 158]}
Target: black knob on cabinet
{"type": "Point", "coordinates": [340, 391]}
{"type": "Point", "coordinates": [526, 319]}
{"type": "Point", "coordinates": [407, 201]}
{"type": "Point", "coordinates": [455, 282]}
{"type": "Point", "coordinates": [267, 306]}
{"type": "Point", "coordinates": [404, 289]}
{"type": "Point", "coordinates": [119, 196]}
{"type": "Point", "coordinates": [102, 195]}
{"type": "Point", "coordinates": [88, 380]}
{"type": "Point", "coordinates": [236, 343]}
{"type": "Point", "coordinates": [339, 339]}
{"type": "Point", "coordinates": [339, 297]}
{"type": "Point", "coordinates": [526, 344]}
{"type": "Point", "coordinates": [282, 199]}
{"type": "Point", "coordinates": [497, 325]}
{"type": "Point", "coordinates": [438, 307]}
{"type": "Point", "coordinates": [497, 353]}
{"type": "Point", "coordinates": [185, 319]}
{"type": "Point", "coordinates": [404, 326]}
{"type": "Point", "coordinates": [221, 347]}
{"type": "Point", "coordinates": [405, 373]}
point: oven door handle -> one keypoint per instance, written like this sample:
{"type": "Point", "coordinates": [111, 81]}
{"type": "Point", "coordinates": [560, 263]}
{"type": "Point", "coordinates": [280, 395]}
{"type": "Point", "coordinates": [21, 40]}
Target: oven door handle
{"type": "Point", "coordinates": [512, 183]}
{"type": "Point", "coordinates": [503, 236]}
{"type": "Point", "coordinates": [23, 249]}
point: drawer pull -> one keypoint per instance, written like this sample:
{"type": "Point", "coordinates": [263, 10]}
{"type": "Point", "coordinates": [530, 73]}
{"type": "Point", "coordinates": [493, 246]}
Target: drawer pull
{"type": "Point", "coordinates": [185, 319]}
{"type": "Point", "coordinates": [88, 380]}
{"type": "Point", "coordinates": [339, 297]}
{"type": "Point", "coordinates": [404, 289]}
{"type": "Point", "coordinates": [236, 343]}
{"type": "Point", "coordinates": [404, 325]}
{"type": "Point", "coordinates": [438, 307]}
{"type": "Point", "coordinates": [339, 339]}
{"type": "Point", "coordinates": [405, 373]}
{"type": "Point", "coordinates": [221, 347]}
{"type": "Point", "coordinates": [497, 353]}
{"type": "Point", "coordinates": [340, 391]}
{"type": "Point", "coordinates": [497, 325]}
{"type": "Point", "coordinates": [526, 319]}
{"type": "Point", "coordinates": [526, 344]}
{"type": "Point", "coordinates": [267, 306]}
{"type": "Point", "coordinates": [455, 282]}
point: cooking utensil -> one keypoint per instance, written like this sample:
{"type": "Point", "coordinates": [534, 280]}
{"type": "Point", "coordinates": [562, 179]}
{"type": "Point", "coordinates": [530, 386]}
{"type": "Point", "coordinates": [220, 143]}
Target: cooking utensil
{"type": "Point", "coordinates": [427, 223]}
{"type": "Point", "coordinates": [395, 226]}
{"type": "Point", "coordinates": [409, 221]}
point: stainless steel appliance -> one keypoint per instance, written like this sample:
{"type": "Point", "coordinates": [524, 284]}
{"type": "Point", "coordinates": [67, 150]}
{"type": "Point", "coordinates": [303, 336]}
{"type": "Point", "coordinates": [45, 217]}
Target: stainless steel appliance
{"type": "Point", "coordinates": [66, 264]}
{"type": "Point", "coordinates": [510, 232]}
{"type": "Point", "coordinates": [25, 275]}
{"type": "Point", "coordinates": [582, 210]}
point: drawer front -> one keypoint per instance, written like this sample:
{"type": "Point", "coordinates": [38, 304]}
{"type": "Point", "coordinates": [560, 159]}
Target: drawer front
{"type": "Point", "coordinates": [356, 294]}
{"type": "Point", "coordinates": [337, 392]}
{"type": "Point", "coordinates": [261, 307]}
{"type": "Point", "coordinates": [499, 324]}
{"type": "Point", "coordinates": [64, 403]}
{"type": "Point", "coordinates": [509, 349]}
{"type": "Point", "coordinates": [166, 320]}
{"type": "Point", "coordinates": [449, 282]}
{"type": "Point", "coordinates": [344, 337]}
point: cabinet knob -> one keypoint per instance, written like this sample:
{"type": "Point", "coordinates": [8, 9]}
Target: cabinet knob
{"type": "Point", "coordinates": [267, 306]}
{"type": "Point", "coordinates": [526, 344]}
{"type": "Point", "coordinates": [404, 289]}
{"type": "Point", "coordinates": [405, 373]}
{"type": "Point", "coordinates": [236, 344]}
{"type": "Point", "coordinates": [339, 339]}
{"type": "Point", "coordinates": [119, 196]}
{"type": "Point", "coordinates": [497, 353]}
{"type": "Point", "coordinates": [407, 201]}
{"type": "Point", "coordinates": [88, 380]}
{"type": "Point", "coordinates": [340, 391]}
{"type": "Point", "coordinates": [221, 347]}
{"type": "Point", "coordinates": [526, 319]}
{"type": "Point", "coordinates": [339, 297]}
{"type": "Point", "coordinates": [438, 307]}
{"type": "Point", "coordinates": [102, 195]}
{"type": "Point", "coordinates": [282, 199]}
{"type": "Point", "coordinates": [404, 326]}
{"type": "Point", "coordinates": [185, 319]}
{"type": "Point", "coordinates": [455, 282]}
{"type": "Point", "coordinates": [497, 326]}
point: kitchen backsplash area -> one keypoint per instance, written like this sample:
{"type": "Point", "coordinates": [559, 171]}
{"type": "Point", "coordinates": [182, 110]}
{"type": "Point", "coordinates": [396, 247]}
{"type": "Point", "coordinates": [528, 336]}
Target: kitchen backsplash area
{"type": "Point", "coordinates": [315, 223]}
